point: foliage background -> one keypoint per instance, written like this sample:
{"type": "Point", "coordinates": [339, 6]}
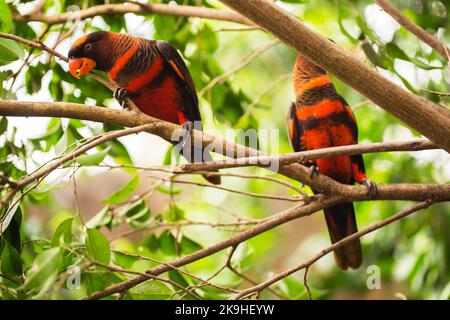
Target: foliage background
{"type": "Point", "coordinates": [47, 233]}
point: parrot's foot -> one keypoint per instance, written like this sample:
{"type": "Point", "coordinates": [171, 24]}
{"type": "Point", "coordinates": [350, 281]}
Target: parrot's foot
{"type": "Point", "coordinates": [188, 128]}
{"type": "Point", "coordinates": [122, 95]}
{"type": "Point", "coordinates": [313, 170]}
{"type": "Point", "coordinates": [370, 186]}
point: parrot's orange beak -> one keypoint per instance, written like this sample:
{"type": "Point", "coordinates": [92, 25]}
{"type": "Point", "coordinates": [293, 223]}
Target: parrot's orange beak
{"type": "Point", "coordinates": [81, 66]}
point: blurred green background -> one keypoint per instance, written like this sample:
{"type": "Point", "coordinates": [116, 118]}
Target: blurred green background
{"type": "Point", "coordinates": [159, 220]}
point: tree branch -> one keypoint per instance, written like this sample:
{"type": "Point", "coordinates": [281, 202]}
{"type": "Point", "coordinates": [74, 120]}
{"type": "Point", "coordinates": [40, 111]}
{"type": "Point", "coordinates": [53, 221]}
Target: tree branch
{"type": "Point", "coordinates": [426, 117]}
{"type": "Point", "coordinates": [430, 120]}
{"type": "Point", "coordinates": [166, 131]}
{"type": "Point", "coordinates": [270, 223]}
{"type": "Point", "coordinates": [324, 252]}
{"type": "Point", "coordinates": [46, 169]}
{"type": "Point", "coordinates": [413, 145]}
{"type": "Point", "coordinates": [120, 9]}
{"type": "Point", "coordinates": [414, 28]}
{"type": "Point", "coordinates": [265, 225]}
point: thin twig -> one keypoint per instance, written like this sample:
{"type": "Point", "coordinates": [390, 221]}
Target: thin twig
{"type": "Point", "coordinates": [120, 9]}
{"type": "Point", "coordinates": [245, 61]}
{"type": "Point", "coordinates": [258, 288]}
{"type": "Point", "coordinates": [414, 28]}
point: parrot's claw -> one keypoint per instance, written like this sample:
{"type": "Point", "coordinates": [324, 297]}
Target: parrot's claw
{"type": "Point", "coordinates": [370, 186]}
{"type": "Point", "coordinates": [313, 170]}
{"type": "Point", "coordinates": [188, 128]}
{"type": "Point", "coordinates": [121, 95]}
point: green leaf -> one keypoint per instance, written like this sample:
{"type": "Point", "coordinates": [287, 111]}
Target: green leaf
{"type": "Point", "coordinates": [137, 214]}
{"type": "Point", "coordinates": [188, 245]}
{"type": "Point", "coordinates": [169, 190]}
{"type": "Point", "coordinates": [6, 22]}
{"type": "Point", "coordinates": [122, 194]}
{"type": "Point", "coordinates": [177, 277]}
{"type": "Point", "coordinates": [377, 59]}
{"type": "Point", "coordinates": [54, 127]}
{"type": "Point", "coordinates": [62, 144]}
{"type": "Point", "coordinates": [44, 271]}
{"type": "Point", "coordinates": [103, 218]}
{"type": "Point", "coordinates": [292, 288]}
{"type": "Point", "coordinates": [63, 232]}
{"type": "Point", "coordinates": [151, 290]}
{"type": "Point", "coordinates": [242, 257]}
{"type": "Point", "coordinates": [207, 39]}
{"type": "Point", "coordinates": [23, 30]}
{"type": "Point", "coordinates": [11, 262]}
{"type": "Point", "coordinates": [93, 159]}
{"type": "Point", "coordinates": [174, 213]}
{"type": "Point", "coordinates": [4, 93]}
{"type": "Point", "coordinates": [395, 52]}
{"type": "Point", "coordinates": [97, 246]}
{"type": "Point", "coordinates": [168, 156]}
{"type": "Point", "coordinates": [132, 209]}
{"type": "Point", "coordinates": [7, 218]}
{"type": "Point", "coordinates": [120, 154]}
{"type": "Point", "coordinates": [165, 27]}
{"type": "Point", "coordinates": [341, 16]}
{"type": "Point", "coordinates": [98, 282]}
{"type": "Point", "coordinates": [3, 125]}
{"type": "Point", "coordinates": [10, 51]}
{"type": "Point", "coordinates": [406, 82]}
{"type": "Point", "coordinates": [11, 233]}
{"type": "Point", "coordinates": [167, 244]}
{"type": "Point", "coordinates": [151, 243]}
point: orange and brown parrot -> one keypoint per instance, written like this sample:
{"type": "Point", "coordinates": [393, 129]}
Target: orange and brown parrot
{"type": "Point", "coordinates": [321, 118]}
{"type": "Point", "coordinates": [151, 73]}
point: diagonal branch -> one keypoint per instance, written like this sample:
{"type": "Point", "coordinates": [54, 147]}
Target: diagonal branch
{"type": "Point", "coordinates": [270, 223]}
{"type": "Point", "coordinates": [428, 118]}
{"type": "Point", "coordinates": [245, 61]}
{"type": "Point", "coordinates": [47, 169]}
{"type": "Point", "coordinates": [402, 214]}
{"type": "Point", "coordinates": [426, 37]}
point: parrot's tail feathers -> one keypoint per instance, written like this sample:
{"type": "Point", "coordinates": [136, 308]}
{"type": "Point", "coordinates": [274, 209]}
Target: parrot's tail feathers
{"type": "Point", "coordinates": [341, 222]}
{"type": "Point", "coordinates": [213, 178]}
{"type": "Point", "coordinates": [197, 155]}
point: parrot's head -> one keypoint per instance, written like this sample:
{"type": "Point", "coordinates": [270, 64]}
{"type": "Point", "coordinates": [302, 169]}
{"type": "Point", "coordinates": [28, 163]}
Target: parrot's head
{"type": "Point", "coordinates": [307, 69]}
{"type": "Point", "coordinates": [91, 51]}
{"type": "Point", "coordinates": [304, 71]}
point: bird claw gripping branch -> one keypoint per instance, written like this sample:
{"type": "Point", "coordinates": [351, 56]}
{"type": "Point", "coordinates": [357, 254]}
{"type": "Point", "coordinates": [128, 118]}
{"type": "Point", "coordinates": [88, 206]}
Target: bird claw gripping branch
{"type": "Point", "coordinates": [313, 170]}
{"type": "Point", "coordinates": [188, 129]}
{"type": "Point", "coordinates": [121, 95]}
{"type": "Point", "coordinates": [371, 187]}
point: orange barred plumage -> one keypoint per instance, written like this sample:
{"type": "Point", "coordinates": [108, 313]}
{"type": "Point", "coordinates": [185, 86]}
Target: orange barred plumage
{"type": "Point", "coordinates": [321, 118]}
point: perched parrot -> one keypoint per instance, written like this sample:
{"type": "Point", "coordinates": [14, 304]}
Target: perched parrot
{"type": "Point", "coordinates": [151, 73]}
{"type": "Point", "coordinates": [321, 118]}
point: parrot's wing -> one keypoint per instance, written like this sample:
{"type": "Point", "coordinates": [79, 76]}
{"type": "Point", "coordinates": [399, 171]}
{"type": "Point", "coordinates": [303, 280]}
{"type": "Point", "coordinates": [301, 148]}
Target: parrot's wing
{"type": "Point", "coordinates": [359, 170]}
{"type": "Point", "coordinates": [295, 131]}
{"type": "Point", "coordinates": [350, 119]}
{"type": "Point", "coordinates": [179, 67]}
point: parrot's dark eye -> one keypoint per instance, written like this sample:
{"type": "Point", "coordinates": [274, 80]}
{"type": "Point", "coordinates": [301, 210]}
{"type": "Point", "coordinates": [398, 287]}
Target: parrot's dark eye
{"type": "Point", "coordinates": [88, 46]}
